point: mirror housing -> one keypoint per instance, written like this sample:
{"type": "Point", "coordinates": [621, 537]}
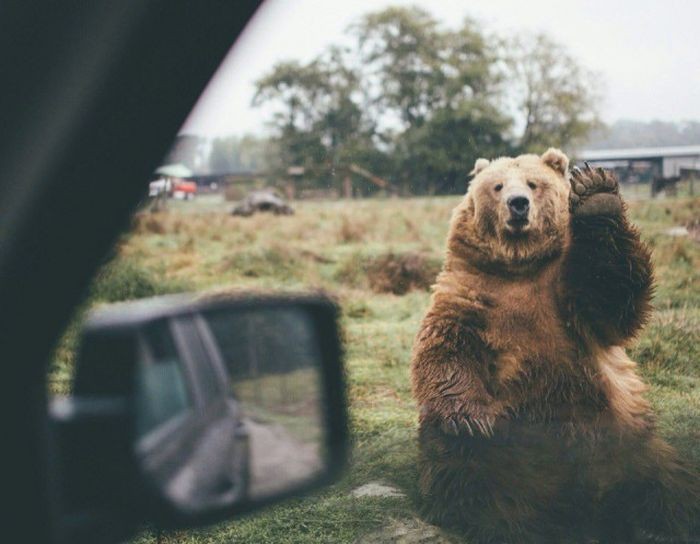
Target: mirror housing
{"type": "Point", "coordinates": [177, 400]}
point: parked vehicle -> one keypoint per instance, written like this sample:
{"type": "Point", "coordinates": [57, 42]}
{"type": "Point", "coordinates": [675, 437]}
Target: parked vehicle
{"type": "Point", "coordinates": [184, 190]}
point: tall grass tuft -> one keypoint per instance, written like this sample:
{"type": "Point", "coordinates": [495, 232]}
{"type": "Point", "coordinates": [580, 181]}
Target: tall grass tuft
{"type": "Point", "coordinates": [126, 279]}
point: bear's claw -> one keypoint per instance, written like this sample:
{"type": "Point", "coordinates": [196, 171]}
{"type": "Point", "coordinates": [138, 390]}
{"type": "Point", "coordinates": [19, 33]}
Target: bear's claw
{"type": "Point", "coordinates": [594, 192]}
{"type": "Point", "coordinates": [460, 424]}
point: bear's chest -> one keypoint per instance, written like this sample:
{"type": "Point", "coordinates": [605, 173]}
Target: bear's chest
{"type": "Point", "coordinates": [524, 324]}
{"type": "Point", "coordinates": [536, 368]}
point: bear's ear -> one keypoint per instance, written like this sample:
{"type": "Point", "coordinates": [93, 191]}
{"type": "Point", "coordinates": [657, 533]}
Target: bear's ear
{"type": "Point", "coordinates": [555, 158]}
{"type": "Point", "coordinates": [479, 165]}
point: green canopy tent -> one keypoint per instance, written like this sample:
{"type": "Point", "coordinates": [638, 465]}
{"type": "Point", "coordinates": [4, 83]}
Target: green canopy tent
{"type": "Point", "coordinates": [174, 171]}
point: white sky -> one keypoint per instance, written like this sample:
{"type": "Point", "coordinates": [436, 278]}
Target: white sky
{"type": "Point", "coordinates": [647, 51]}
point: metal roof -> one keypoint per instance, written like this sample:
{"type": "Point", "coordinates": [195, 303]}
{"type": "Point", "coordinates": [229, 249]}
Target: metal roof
{"type": "Point", "coordinates": [639, 153]}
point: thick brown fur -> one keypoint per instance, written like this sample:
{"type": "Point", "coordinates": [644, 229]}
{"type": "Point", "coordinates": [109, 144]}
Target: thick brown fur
{"type": "Point", "coordinates": [533, 421]}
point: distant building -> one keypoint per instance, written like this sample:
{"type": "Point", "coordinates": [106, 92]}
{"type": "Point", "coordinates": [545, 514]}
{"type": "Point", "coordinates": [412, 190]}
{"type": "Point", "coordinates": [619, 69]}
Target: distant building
{"type": "Point", "coordinates": [662, 167]}
{"type": "Point", "coordinates": [666, 161]}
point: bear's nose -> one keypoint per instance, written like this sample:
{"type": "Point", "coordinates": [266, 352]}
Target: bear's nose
{"type": "Point", "coordinates": [518, 206]}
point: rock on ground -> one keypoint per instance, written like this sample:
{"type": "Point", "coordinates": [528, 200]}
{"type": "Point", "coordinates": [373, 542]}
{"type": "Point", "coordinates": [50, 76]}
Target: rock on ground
{"type": "Point", "coordinates": [376, 489]}
{"type": "Point", "coordinates": [398, 531]}
{"type": "Point", "coordinates": [407, 531]}
{"type": "Point", "coordinates": [677, 231]}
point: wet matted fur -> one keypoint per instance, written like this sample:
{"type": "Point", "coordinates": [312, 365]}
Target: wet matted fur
{"type": "Point", "coordinates": [533, 421]}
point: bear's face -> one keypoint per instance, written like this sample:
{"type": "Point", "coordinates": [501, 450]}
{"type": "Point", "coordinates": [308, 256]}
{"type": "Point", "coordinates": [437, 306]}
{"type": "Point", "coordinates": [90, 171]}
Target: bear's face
{"type": "Point", "coordinates": [515, 212]}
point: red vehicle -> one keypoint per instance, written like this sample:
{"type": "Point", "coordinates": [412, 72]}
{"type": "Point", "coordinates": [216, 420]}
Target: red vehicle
{"type": "Point", "coordinates": [184, 190]}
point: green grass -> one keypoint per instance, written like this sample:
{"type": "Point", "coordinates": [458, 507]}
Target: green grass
{"type": "Point", "coordinates": [328, 245]}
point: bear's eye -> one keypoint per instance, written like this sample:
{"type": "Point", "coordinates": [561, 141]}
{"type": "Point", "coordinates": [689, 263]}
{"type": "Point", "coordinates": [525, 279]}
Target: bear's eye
{"type": "Point", "coordinates": [532, 185]}
{"type": "Point", "coordinates": [498, 187]}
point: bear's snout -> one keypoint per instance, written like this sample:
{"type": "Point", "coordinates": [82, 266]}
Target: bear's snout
{"type": "Point", "coordinates": [519, 206]}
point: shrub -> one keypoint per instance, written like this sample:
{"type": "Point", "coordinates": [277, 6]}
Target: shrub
{"type": "Point", "coordinates": [150, 223]}
{"type": "Point", "coordinates": [396, 273]}
{"type": "Point", "coordinates": [260, 262]}
{"type": "Point", "coordinates": [124, 279]}
{"type": "Point", "coordinates": [350, 231]}
{"type": "Point", "coordinates": [400, 273]}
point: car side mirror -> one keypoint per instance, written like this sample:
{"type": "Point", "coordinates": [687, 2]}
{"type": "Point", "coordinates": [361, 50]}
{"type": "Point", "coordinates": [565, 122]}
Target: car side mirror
{"type": "Point", "coordinates": [189, 411]}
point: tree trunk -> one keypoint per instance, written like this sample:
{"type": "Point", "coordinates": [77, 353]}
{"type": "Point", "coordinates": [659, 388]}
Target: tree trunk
{"type": "Point", "coordinates": [347, 187]}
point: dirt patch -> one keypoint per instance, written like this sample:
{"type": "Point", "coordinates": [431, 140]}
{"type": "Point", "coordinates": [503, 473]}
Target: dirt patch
{"type": "Point", "coordinates": [400, 273]}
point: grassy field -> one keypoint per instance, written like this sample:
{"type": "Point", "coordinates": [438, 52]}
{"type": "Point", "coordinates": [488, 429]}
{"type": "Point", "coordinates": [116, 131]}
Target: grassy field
{"type": "Point", "coordinates": [335, 246]}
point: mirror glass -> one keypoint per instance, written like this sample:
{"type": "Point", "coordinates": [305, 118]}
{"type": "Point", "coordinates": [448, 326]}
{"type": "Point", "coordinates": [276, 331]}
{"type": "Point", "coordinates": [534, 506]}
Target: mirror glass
{"type": "Point", "coordinates": [272, 359]}
{"type": "Point", "coordinates": [229, 404]}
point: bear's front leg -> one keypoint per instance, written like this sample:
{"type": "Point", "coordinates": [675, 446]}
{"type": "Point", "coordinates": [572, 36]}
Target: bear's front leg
{"type": "Point", "coordinates": [469, 478]}
{"type": "Point", "coordinates": [608, 272]}
{"type": "Point", "coordinates": [450, 378]}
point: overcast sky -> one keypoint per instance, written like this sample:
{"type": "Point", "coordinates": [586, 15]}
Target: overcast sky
{"type": "Point", "coordinates": [647, 52]}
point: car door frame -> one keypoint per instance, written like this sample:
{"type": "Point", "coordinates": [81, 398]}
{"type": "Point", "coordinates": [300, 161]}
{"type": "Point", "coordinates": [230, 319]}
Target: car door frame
{"type": "Point", "coordinates": [179, 431]}
{"type": "Point", "coordinates": [90, 96]}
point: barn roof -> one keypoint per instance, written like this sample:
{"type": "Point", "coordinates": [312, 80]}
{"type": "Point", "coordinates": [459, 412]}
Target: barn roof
{"type": "Point", "coordinates": [639, 153]}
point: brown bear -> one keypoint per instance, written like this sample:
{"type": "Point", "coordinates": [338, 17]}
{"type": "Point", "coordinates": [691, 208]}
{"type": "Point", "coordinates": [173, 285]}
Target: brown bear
{"type": "Point", "coordinates": [533, 425]}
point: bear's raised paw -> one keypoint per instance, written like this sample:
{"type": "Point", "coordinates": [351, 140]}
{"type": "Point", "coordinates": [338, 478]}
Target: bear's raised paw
{"type": "Point", "coordinates": [594, 192]}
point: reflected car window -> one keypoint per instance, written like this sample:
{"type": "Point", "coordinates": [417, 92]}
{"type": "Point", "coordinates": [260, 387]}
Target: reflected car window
{"type": "Point", "coordinates": [159, 374]}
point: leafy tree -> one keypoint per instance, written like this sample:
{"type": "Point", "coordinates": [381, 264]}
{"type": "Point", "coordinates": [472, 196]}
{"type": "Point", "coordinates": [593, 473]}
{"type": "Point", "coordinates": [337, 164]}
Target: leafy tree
{"type": "Point", "coordinates": [416, 66]}
{"type": "Point", "coordinates": [417, 103]}
{"type": "Point", "coordinates": [440, 153]}
{"type": "Point", "coordinates": [320, 123]}
{"type": "Point", "coordinates": [627, 133]}
{"type": "Point", "coordinates": [297, 88]}
{"type": "Point", "coordinates": [555, 97]}
{"type": "Point", "coordinates": [438, 84]}
{"type": "Point", "coordinates": [342, 123]}
{"type": "Point", "coordinates": [400, 49]}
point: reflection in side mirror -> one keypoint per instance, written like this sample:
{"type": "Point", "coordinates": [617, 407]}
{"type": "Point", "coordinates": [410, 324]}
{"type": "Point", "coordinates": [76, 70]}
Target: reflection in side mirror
{"type": "Point", "coordinates": [232, 402]}
{"type": "Point", "coordinates": [274, 365]}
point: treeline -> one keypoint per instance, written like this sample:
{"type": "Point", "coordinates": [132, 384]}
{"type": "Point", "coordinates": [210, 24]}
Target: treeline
{"type": "Point", "coordinates": [220, 155]}
{"type": "Point", "coordinates": [413, 102]}
{"type": "Point", "coordinates": [627, 133]}
{"type": "Point", "coordinates": [416, 103]}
